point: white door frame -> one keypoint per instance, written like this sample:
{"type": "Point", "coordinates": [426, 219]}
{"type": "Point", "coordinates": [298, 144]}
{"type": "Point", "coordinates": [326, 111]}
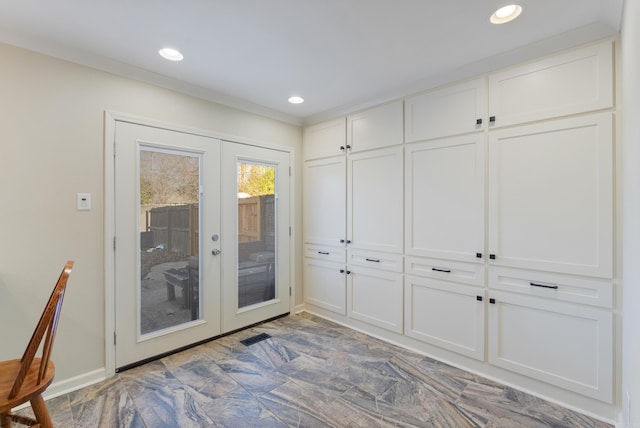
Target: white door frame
{"type": "Point", "coordinates": [110, 119]}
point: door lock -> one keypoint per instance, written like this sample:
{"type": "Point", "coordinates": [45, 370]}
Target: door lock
{"type": "Point", "coordinates": [215, 237]}
{"type": "Point", "coordinates": [215, 252]}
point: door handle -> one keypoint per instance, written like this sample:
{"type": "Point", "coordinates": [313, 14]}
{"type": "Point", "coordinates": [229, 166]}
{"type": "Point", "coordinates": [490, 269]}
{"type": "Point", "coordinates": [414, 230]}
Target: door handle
{"type": "Point", "coordinates": [215, 252]}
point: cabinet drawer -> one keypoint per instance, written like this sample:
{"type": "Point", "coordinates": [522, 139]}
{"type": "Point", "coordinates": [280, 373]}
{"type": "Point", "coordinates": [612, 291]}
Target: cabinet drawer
{"type": "Point", "coordinates": [325, 139]}
{"type": "Point", "coordinates": [325, 253]}
{"type": "Point", "coordinates": [466, 273]}
{"type": "Point", "coordinates": [567, 345]}
{"type": "Point", "coordinates": [375, 259]}
{"type": "Point", "coordinates": [574, 82]}
{"type": "Point", "coordinates": [557, 287]}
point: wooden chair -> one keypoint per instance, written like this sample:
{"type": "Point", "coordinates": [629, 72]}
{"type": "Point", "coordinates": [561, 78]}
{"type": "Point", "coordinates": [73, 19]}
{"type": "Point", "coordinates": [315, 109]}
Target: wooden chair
{"type": "Point", "coordinates": [27, 378]}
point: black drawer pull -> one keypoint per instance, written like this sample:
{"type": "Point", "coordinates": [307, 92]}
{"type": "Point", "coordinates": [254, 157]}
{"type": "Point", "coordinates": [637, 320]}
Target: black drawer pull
{"type": "Point", "coordinates": [441, 270]}
{"type": "Point", "coordinates": [479, 298]}
{"type": "Point", "coordinates": [492, 301]}
{"type": "Point", "coordinates": [373, 260]}
{"type": "Point", "coordinates": [478, 121]}
{"type": "Point", "coordinates": [324, 253]}
{"type": "Point", "coordinates": [492, 119]}
{"type": "Point", "coordinates": [342, 148]}
{"type": "Point", "coordinates": [341, 270]}
{"type": "Point", "coordinates": [533, 284]}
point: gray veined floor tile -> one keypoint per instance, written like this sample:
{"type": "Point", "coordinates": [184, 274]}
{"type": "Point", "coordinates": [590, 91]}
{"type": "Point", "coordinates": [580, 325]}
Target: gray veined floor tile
{"type": "Point", "coordinates": [112, 408]}
{"type": "Point", "coordinates": [240, 409]}
{"type": "Point", "coordinates": [311, 373]}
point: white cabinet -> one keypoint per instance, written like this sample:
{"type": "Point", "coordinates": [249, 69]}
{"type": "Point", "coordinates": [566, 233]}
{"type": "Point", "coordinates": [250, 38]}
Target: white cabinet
{"type": "Point", "coordinates": [567, 345]}
{"type": "Point", "coordinates": [375, 128]}
{"type": "Point", "coordinates": [325, 139]}
{"type": "Point", "coordinates": [375, 297]}
{"type": "Point", "coordinates": [551, 196]}
{"type": "Point", "coordinates": [580, 80]}
{"type": "Point", "coordinates": [444, 196]}
{"type": "Point", "coordinates": [445, 314]}
{"type": "Point", "coordinates": [324, 196]}
{"type": "Point", "coordinates": [375, 200]}
{"type": "Point", "coordinates": [447, 111]}
{"type": "Point", "coordinates": [325, 285]}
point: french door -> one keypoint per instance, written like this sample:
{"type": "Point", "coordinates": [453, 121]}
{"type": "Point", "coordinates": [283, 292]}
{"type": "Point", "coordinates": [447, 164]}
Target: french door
{"type": "Point", "coordinates": [201, 239]}
{"type": "Point", "coordinates": [255, 191]}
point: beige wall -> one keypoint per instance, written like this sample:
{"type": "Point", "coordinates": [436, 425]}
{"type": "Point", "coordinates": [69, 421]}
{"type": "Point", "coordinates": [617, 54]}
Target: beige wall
{"type": "Point", "coordinates": [51, 147]}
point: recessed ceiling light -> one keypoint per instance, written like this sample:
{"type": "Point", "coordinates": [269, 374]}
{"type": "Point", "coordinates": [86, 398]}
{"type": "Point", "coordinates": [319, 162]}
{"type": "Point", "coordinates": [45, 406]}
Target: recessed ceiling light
{"type": "Point", "coordinates": [296, 100]}
{"type": "Point", "coordinates": [506, 14]}
{"type": "Point", "coordinates": [171, 54]}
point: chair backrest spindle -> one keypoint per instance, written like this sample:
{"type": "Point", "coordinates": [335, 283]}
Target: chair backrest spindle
{"type": "Point", "coordinates": [48, 324]}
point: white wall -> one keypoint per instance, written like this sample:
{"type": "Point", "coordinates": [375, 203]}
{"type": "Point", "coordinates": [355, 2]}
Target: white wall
{"type": "Point", "coordinates": [631, 212]}
{"type": "Point", "coordinates": [51, 147]}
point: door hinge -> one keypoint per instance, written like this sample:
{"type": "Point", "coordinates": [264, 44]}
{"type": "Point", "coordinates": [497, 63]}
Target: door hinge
{"type": "Point", "coordinates": [289, 291]}
{"type": "Point", "coordinates": [114, 338]}
{"type": "Point", "coordinates": [114, 243]}
{"type": "Point", "coordinates": [289, 230]}
{"type": "Point", "coordinates": [289, 171]}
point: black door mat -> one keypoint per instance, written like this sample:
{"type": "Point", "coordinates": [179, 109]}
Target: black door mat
{"type": "Point", "coordinates": [255, 339]}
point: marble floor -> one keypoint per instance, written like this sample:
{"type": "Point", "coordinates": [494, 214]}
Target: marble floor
{"type": "Point", "coordinates": [310, 373]}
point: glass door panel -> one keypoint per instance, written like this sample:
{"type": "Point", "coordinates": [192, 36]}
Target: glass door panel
{"type": "Point", "coordinates": [169, 287]}
{"type": "Point", "coordinates": [256, 233]}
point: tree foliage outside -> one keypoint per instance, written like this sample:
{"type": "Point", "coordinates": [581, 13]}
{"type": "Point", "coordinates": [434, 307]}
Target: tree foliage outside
{"type": "Point", "coordinates": [256, 179]}
{"type": "Point", "coordinates": [168, 179]}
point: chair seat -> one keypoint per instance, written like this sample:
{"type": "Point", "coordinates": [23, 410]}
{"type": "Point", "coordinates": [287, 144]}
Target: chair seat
{"type": "Point", "coordinates": [30, 388]}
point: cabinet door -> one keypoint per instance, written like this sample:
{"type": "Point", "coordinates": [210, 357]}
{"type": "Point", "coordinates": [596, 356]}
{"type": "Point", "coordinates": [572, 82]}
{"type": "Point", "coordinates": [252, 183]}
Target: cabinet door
{"type": "Point", "coordinates": [374, 128]}
{"type": "Point", "coordinates": [445, 314]}
{"type": "Point", "coordinates": [325, 139]}
{"type": "Point", "coordinates": [375, 297]}
{"type": "Point", "coordinates": [375, 200]}
{"type": "Point", "coordinates": [567, 345]}
{"type": "Point", "coordinates": [444, 112]}
{"type": "Point", "coordinates": [551, 196]}
{"type": "Point", "coordinates": [444, 198]}
{"type": "Point", "coordinates": [324, 201]}
{"type": "Point", "coordinates": [574, 82]}
{"type": "Point", "coordinates": [325, 285]}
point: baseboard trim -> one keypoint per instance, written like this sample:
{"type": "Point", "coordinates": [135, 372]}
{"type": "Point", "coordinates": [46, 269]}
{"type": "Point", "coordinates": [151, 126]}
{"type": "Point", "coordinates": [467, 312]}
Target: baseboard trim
{"type": "Point", "coordinates": [66, 386]}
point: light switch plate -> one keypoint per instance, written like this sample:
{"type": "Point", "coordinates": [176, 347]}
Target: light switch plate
{"type": "Point", "coordinates": [84, 201]}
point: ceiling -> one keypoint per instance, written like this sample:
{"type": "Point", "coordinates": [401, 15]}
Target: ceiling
{"type": "Point", "coordinates": [340, 55]}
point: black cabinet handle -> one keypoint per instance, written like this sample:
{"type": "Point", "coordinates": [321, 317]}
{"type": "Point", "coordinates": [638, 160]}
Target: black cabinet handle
{"type": "Point", "coordinates": [479, 255]}
{"type": "Point", "coordinates": [479, 298]}
{"type": "Point", "coordinates": [492, 301]}
{"type": "Point", "coordinates": [441, 270]}
{"type": "Point", "coordinates": [348, 272]}
{"type": "Point", "coordinates": [348, 147]}
{"type": "Point", "coordinates": [341, 270]}
{"type": "Point", "coordinates": [478, 121]}
{"type": "Point", "coordinates": [373, 260]}
{"type": "Point", "coordinates": [342, 241]}
{"type": "Point", "coordinates": [324, 253]}
{"type": "Point", "coordinates": [533, 284]}
{"type": "Point", "coordinates": [342, 148]}
{"type": "Point", "coordinates": [492, 119]}
{"type": "Point", "coordinates": [492, 256]}
{"type": "Point", "coordinates": [348, 241]}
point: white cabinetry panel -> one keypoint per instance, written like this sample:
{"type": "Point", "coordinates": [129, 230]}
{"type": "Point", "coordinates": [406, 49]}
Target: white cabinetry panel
{"type": "Point", "coordinates": [574, 82]}
{"type": "Point", "coordinates": [375, 128]}
{"type": "Point", "coordinates": [325, 253]}
{"type": "Point", "coordinates": [570, 346]}
{"type": "Point", "coordinates": [375, 200]}
{"type": "Point", "coordinates": [324, 197]}
{"type": "Point", "coordinates": [325, 139]}
{"type": "Point", "coordinates": [374, 259]}
{"type": "Point", "coordinates": [447, 111]}
{"type": "Point", "coordinates": [444, 196]}
{"type": "Point", "coordinates": [445, 314]}
{"type": "Point", "coordinates": [551, 196]}
{"type": "Point", "coordinates": [325, 285]}
{"type": "Point", "coordinates": [448, 270]}
{"type": "Point", "coordinates": [587, 291]}
{"type": "Point", "coordinates": [375, 297]}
